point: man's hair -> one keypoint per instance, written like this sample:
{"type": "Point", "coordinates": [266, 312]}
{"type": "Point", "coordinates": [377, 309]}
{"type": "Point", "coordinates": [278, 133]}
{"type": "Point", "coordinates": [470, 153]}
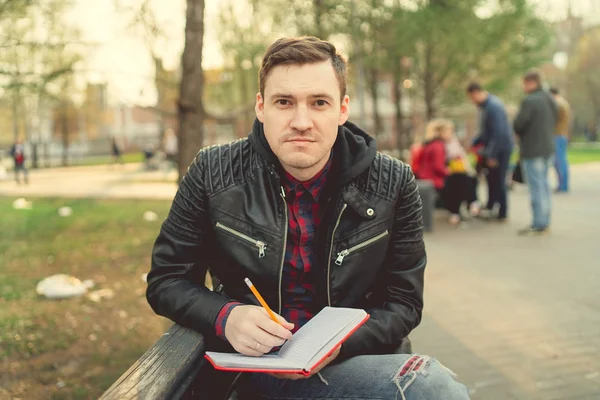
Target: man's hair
{"type": "Point", "coordinates": [302, 50]}
{"type": "Point", "coordinates": [474, 87]}
{"type": "Point", "coordinates": [533, 75]}
{"type": "Point", "coordinates": [554, 90]}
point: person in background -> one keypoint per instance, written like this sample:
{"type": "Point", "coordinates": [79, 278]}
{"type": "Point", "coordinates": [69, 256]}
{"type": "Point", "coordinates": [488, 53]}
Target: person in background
{"type": "Point", "coordinates": [116, 151]}
{"type": "Point", "coordinates": [461, 184]}
{"type": "Point", "coordinates": [429, 158]}
{"type": "Point", "coordinates": [561, 141]}
{"type": "Point", "coordinates": [535, 125]}
{"type": "Point", "coordinates": [17, 152]}
{"type": "Point", "coordinates": [443, 161]}
{"type": "Point", "coordinates": [496, 141]}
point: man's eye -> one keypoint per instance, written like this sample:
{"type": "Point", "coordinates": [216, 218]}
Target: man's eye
{"type": "Point", "coordinates": [321, 103]}
{"type": "Point", "coordinates": [282, 102]}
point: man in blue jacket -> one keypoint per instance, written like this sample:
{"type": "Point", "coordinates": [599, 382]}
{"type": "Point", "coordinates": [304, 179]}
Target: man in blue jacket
{"type": "Point", "coordinates": [495, 134]}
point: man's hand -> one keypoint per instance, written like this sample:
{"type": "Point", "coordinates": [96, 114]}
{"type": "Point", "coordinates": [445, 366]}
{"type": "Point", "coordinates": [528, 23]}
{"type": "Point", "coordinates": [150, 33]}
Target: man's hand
{"type": "Point", "coordinates": [492, 163]}
{"type": "Point", "coordinates": [251, 332]}
{"type": "Point", "coordinates": [318, 368]}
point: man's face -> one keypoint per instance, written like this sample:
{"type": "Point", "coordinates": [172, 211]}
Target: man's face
{"type": "Point", "coordinates": [301, 111]}
{"type": "Point", "coordinates": [529, 86]}
{"type": "Point", "coordinates": [475, 97]}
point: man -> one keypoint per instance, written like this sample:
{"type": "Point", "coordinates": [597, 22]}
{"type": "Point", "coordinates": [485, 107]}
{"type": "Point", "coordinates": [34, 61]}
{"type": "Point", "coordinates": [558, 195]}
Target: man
{"type": "Point", "coordinates": [561, 141]}
{"type": "Point", "coordinates": [17, 152]}
{"type": "Point", "coordinates": [309, 211]}
{"type": "Point", "coordinates": [535, 125]}
{"type": "Point", "coordinates": [495, 137]}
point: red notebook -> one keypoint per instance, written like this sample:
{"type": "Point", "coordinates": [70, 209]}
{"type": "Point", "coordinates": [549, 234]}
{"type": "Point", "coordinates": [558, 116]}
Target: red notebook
{"type": "Point", "coordinates": [309, 346]}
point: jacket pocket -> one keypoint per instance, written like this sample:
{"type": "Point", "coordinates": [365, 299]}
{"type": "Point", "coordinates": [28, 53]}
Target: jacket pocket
{"type": "Point", "coordinates": [260, 245]}
{"type": "Point", "coordinates": [340, 256]}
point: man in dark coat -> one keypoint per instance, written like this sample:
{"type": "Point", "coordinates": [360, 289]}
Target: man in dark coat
{"type": "Point", "coordinates": [535, 125]}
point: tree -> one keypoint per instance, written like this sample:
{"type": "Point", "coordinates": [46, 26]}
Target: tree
{"type": "Point", "coordinates": [457, 42]}
{"type": "Point", "coordinates": [37, 67]}
{"type": "Point", "coordinates": [583, 71]}
{"type": "Point", "coordinates": [243, 42]}
{"type": "Point", "coordinates": [143, 19]}
{"type": "Point", "coordinates": [190, 107]}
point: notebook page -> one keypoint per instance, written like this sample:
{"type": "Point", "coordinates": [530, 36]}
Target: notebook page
{"type": "Point", "coordinates": [335, 340]}
{"type": "Point", "coordinates": [236, 360]}
{"type": "Point", "coordinates": [314, 336]}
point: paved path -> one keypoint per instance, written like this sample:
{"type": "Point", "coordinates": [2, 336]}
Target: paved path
{"type": "Point", "coordinates": [516, 318]}
{"type": "Point", "coordinates": [121, 181]}
{"type": "Point", "coordinates": [519, 318]}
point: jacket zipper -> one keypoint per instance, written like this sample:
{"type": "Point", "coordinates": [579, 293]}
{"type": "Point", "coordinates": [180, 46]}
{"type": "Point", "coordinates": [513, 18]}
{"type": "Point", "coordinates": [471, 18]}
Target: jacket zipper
{"type": "Point", "coordinates": [331, 254]}
{"type": "Point", "coordinates": [285, 230]}
{"type": "Point", "coordinates": [340, 256]}
{"type": "Point", "coordinates": [261, 245]}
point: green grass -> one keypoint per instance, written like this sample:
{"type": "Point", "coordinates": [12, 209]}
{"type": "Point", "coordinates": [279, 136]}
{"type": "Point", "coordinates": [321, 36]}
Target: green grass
{"type": "Point", "coordinates": [583, 155]}
{"type": "Point", "coordinates": [47, 341]}
{"type": "Point", "coordinates": [101, 160]}
{"type": "Point", "coordinates": [576, 155]}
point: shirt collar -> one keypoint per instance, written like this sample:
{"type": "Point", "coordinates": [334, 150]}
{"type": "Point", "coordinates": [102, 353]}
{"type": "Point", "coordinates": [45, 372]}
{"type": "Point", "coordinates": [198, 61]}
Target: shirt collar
{"type": "Point", "coordinates": [314, 185]}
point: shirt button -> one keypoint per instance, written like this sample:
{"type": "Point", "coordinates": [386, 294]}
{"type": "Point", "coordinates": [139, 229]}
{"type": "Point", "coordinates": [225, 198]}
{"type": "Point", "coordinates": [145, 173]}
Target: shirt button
{"type": "Point", "coordinates": [370, 212]}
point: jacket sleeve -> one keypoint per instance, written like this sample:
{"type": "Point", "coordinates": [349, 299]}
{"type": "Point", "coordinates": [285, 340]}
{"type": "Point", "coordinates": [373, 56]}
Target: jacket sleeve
{"type": "Point", "coordinates": [398, 294]}
{"type": "Point", "coordinates": [493, 128]}
{"type": "Point", "coordinates": [523, 118]}
{"type": "Point", "coordinates": [176, 287]}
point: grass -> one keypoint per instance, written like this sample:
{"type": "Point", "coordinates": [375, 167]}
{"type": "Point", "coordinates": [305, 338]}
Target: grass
{"type": "Point", "coordinates": [101, 160]}
{"type": "Point", "coordinates": [575, 155]}
{"type": "Point", "coordinates": [583, 155]}
{"type": "Point", "coordinates": [74, 348]}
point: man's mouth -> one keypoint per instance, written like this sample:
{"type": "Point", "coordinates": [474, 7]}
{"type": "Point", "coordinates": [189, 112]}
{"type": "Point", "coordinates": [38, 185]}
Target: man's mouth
{"type": "Point", "coordinates": [305, 140]}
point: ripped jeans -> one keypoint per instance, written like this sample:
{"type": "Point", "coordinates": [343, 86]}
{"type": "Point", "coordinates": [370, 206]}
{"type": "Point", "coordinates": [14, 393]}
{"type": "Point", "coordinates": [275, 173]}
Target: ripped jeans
{"type": "Point", "coordinates": [390, 376]}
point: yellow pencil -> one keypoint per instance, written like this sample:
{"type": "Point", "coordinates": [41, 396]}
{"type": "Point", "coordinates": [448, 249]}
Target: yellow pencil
{"type": "Point", "coordinates": [261, 300]}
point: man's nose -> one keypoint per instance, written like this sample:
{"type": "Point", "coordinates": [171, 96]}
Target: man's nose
{"type": "Point", "coordinates": [302, 120]}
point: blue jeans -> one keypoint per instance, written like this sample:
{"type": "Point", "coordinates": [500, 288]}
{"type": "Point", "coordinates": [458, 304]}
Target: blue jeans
{"type": "Point", "coordinates": [389, 376]}
{"type": "Point", "coordinates": [536, 175]}
{"type": "Point", "coordinates": [561, 164]}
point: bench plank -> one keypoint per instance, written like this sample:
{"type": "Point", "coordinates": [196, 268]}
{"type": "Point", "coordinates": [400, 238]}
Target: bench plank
{"type": "Point", "coordinates": [165, 370]}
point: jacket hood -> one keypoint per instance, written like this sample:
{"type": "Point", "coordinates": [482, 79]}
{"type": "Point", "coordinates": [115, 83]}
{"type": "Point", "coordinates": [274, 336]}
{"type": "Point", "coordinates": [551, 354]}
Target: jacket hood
{"type": "Point", "coordinates": [353, 151]}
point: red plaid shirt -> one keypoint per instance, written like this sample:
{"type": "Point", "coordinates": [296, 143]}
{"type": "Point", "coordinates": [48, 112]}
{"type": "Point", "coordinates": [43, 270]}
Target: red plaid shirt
{"type": "Point", "coordinates": [298, 278]}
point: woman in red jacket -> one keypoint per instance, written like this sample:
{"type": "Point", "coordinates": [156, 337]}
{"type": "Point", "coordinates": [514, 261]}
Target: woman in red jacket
{"type": "Point", "coordinates": [455, 184]}
{"type": "Point", "coordinates": [432, 157]}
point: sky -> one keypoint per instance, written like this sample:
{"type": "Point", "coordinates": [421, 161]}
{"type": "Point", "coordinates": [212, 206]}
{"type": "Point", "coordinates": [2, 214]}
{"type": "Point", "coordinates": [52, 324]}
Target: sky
{"type": "Point", "coordinates": [121, 57]}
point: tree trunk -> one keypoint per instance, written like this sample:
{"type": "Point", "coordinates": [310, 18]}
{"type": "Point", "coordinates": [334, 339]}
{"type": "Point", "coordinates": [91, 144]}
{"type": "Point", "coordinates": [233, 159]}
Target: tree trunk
{"type": "Point", "coordinates": [377, 126]}
{"type": "Point", "coordinates": [428, 83]}
{"type": "Point", "coordinates": [15, 115]}
{"type": "Point", "coordinates": [400, 137]}
{"type": "Point", "coordinates": [245, 96]}
{"type": "Point", "coordinates": [65, 133]}
{"type": "Point", "coordinates": [191, 111]}
{"type": "Point", "coordinates": [161, 86]}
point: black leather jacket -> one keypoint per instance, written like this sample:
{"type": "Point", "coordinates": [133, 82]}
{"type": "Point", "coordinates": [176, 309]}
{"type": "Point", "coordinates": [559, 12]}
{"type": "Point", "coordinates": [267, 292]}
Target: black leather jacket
{"type": "Point", "coordinates": [229, 215]}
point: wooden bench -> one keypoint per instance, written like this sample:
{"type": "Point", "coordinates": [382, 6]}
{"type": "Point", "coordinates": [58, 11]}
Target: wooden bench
{"type": "Point", "coordinates": [173, 369]}
{"type": "Point", "coordinates": [165, 371]}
